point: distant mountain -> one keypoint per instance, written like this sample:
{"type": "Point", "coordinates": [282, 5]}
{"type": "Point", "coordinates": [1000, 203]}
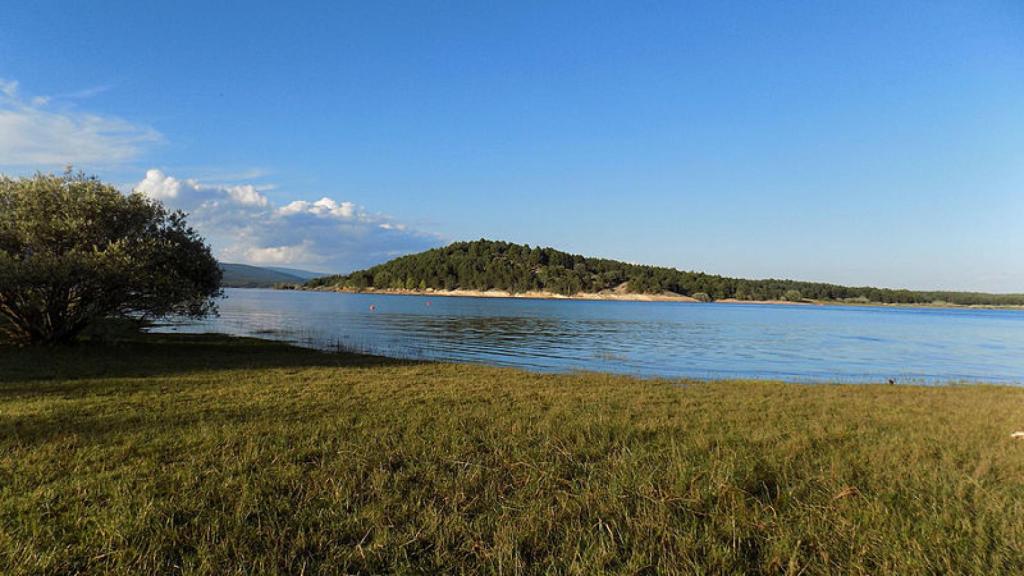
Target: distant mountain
{"type": "Point", "coordinates": [490, 265]}
{"type": "Point", "coordinates": [304, 274]}
{"type": "Point", "coordinates": [245, 276]}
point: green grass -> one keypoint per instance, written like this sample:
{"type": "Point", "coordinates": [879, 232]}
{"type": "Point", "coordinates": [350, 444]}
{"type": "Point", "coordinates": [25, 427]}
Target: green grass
{"type": "Point", "coordinates": [209, 455]}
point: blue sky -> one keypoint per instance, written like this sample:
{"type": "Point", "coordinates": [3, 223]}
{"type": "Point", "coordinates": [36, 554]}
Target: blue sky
{"type": "Point", "coordinates": [872, 143]}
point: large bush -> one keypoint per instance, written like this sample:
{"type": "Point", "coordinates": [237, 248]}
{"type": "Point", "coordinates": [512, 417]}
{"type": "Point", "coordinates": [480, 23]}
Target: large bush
{"type": "Point", "coordinates": [74, 250]}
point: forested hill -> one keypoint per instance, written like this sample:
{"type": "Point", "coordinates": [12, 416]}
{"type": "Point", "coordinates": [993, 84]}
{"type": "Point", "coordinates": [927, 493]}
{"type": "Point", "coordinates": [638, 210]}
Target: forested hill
{"type": "Point", "coordinates": [245, 276]}
{"type": "Point", "coordinates": [490, 265]}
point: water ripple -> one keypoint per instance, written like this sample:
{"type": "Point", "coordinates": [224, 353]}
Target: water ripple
{"type": "Point", "coordinates": [800, 343]}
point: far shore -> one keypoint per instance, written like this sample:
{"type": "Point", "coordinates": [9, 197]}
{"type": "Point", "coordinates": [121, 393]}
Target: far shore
{"type": "Point", "coordinates": [617, 296]}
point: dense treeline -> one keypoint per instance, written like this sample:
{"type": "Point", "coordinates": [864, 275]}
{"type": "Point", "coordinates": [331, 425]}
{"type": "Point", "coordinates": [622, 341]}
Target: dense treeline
{"type": "Point", "coordinates": [490, 265]}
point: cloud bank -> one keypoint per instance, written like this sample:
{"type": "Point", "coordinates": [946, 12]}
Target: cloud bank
{"type": "Point", "coordinates": [237, 218]}
{"type": "Point", "coordinates": [35, 132]}
{"type": "Point", "coordinates": [243, 225]}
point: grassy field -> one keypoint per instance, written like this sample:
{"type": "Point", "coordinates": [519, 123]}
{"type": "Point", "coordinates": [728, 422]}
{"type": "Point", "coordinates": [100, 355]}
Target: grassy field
{"type": "Point", "coordinates": [209, 455]}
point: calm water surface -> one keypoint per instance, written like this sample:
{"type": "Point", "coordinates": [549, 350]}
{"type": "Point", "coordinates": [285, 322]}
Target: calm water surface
{"type": "Point", "coordinates": [801, 343]}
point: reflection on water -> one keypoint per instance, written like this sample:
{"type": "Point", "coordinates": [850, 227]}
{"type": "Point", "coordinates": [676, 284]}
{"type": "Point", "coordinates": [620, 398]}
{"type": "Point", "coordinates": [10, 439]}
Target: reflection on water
{"type": "Point", "coordinates": [645, 338]}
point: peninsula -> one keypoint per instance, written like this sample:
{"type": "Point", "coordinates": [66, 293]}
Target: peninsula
{"type": "Point", "coordinates": [503, 269]}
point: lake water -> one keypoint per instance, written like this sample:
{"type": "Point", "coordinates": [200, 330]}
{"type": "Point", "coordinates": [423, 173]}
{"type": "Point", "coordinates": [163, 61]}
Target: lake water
{"type": "Point", "coordinates": [799, 343]}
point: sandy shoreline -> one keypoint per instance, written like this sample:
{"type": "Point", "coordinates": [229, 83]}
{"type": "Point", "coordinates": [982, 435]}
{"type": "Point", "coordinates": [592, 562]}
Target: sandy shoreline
{"type": "Point", "coordinates": [630, 297]}
{"type": "Point", "coordinates": [535, 295]}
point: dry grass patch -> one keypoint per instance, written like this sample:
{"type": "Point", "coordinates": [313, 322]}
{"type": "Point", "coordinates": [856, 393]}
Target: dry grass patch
{"type": "Point", "coordinates": [209, 455]}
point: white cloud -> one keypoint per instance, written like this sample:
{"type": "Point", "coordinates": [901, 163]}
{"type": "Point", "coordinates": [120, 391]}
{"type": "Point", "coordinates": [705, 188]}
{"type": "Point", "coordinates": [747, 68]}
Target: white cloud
{"type": "Point", "coordinates": [162, 187]}
{"type": "Point", "coordinates": [32, 133]}
{"type": "Point", "coordinates": [243, 225]}
{"type": "Point", "coordinates": [157, 185]}
{"type": "Point", "coordinates": [282, 254]}
{"type": "Point", "coordinates": [246, 194]}
{"type": "Point", "coordinates": [322, 207]}
{"type": "Point", "coordinates": [8, 88]}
